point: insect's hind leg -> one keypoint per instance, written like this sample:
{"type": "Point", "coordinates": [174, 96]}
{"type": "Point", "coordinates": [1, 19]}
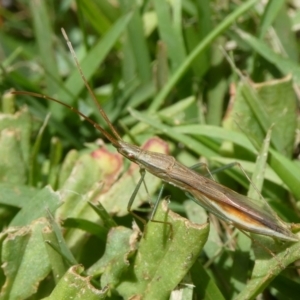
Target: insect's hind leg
{"type": "Point", "coordinates": [198, 165]}
{"type": "Point", "coordinates": [132, 197]}
{"type": "Point", "coordinates": [205, 166]}
{"type": "Point", "coordinates": [160, 197]}
{"type": "Point", "coordinates": [224, 168]}
{"type": "Point", "coordinates": [237, 164]}
{"type": "Point", "coordinates": [218, 170]}
{"type": "Point", "coordinates": [157, 202]}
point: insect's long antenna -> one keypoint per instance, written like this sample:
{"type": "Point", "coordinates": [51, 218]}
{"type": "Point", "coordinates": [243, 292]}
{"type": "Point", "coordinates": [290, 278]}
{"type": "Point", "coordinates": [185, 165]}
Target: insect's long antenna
{"type": "Point", "coordinates": [102, 112]}
{"type": "Point", "coordinates": [112, 139]}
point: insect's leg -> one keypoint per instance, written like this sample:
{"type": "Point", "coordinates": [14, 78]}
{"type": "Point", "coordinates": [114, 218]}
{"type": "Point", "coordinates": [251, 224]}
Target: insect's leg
{"type": "Point", "coordinates": [263, 247]}
{"type": "Point", "coordinates": [191, 197]}
{"type": "Point", "coordinates": [158, 200]}
{"type": "Point", "coordinates": [234, 164]}
{"type": "Point", "coordinates": [198, 165]}
{"type": "Point", "coordinates": [141, 180]}
{"type": "Point", "coordinates": [129, 205]}
{"type": "Point", "coordinates": [223, 168]}
{"type": "Point", "coordinates": [144, 182]}
{"type": "Point", "coordinates": [205, 166]}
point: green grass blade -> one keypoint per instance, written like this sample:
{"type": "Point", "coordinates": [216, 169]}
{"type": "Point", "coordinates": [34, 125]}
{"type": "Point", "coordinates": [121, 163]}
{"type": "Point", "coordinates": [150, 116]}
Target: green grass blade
{"type": "Point", "coordinates": [157, 102]}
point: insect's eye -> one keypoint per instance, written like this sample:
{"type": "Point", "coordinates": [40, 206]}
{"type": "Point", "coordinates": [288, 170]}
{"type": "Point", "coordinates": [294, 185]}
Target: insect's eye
{"type": "Point", "coordinates": [130, 155]}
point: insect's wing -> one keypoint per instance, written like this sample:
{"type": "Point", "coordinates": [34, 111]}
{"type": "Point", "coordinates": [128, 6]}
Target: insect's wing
{"type": "Point", "coordinates": [202, 187]}
{"type": "Point", "coordinates": [236, 209]}
{"type": "Point", "coordinates": [243, 212]}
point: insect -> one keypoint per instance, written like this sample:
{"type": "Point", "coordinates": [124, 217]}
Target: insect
{"type": "Point", "coordinates": [236, 209]}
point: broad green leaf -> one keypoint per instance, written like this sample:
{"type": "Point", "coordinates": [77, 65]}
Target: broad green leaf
{"type": "Point", "coordinates": [89, 168]}
{"type": "Point", "coordinates": [16, 195]}
{"type": "Point", "coordinates": [268, 266]}
{"type": "Point", "coordinates": [255, 115]}
{"type": "Point", "coordinates": [44, 201]}
{"type": "Point", "coordinates": [12, 164]}
{"type": "Point", "coordinates": [24, 260]}
{"type": "Point", "coordinates": [92, 174]}
{"type": "Point", "coordinates": [163, 257]}
{"type": "Point", "coordinates": [75, 286]}
{"type": "Point", "coordinates": [163, 260]}
{"type": "Point", "coordinates": [19, 122]}
{"type": "Point", "coordinates": [121, 245]}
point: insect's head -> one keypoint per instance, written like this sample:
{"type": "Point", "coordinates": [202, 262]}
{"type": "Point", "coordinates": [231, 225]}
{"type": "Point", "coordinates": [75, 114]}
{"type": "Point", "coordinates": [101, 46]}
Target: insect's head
{"type": "Point", "coordinates": [129, 151]}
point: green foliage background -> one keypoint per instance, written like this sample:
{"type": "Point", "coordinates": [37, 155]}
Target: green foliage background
{"type": "Point", "coordinates": [211, 79]}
